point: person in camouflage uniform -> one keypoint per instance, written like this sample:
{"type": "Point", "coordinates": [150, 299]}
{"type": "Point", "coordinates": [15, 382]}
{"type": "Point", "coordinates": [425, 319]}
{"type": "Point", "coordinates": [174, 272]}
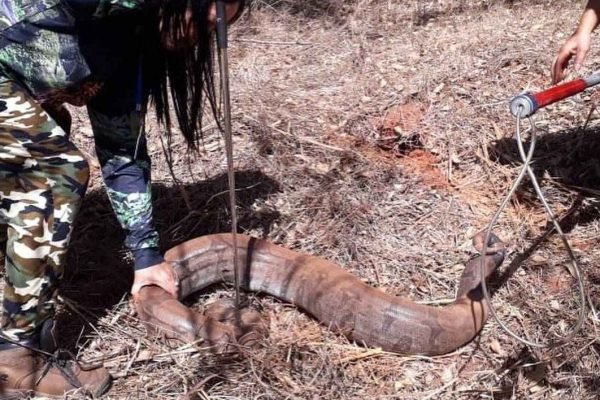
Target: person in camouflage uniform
{"type": "Point", "coordinates": [42, 181]}
{"type": "Point", "coordinates": [112, 56]}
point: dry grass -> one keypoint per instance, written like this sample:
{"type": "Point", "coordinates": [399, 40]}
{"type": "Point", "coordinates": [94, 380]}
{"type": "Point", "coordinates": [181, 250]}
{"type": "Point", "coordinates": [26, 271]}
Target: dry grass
{"type": "Point", "coordinates": [374, 133]}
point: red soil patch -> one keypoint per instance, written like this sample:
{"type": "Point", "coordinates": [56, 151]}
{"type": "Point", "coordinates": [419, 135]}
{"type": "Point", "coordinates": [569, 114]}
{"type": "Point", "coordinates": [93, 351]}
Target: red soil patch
{"type": "Point", "coordinates": [419, 163]}
{"type": "Point", "coordinates": [424, 165]}
{"type": "Point", "coordinates": [405, 117]}
{"type": "Point", "coordinates": [399, 144]}
{"type": "Point", "coordinates": [398, 127]}
{"type": "Point", "coordinates": [375, 155]}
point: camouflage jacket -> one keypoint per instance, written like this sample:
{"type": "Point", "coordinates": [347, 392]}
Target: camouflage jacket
{"type": "Point", "coordinates": [64, 51]}
{"type": "Point", "coordinates": [40, 41]}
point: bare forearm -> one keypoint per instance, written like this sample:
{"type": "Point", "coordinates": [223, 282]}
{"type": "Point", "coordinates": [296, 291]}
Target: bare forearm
{"type": "Point", "coordinates": [590, 18]}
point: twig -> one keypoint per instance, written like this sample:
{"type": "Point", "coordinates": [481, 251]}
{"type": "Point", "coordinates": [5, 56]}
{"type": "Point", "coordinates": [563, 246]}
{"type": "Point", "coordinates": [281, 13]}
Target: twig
{"type": "Point", "coordinates": [133, 358]}
{"type": "Point", "coordinates": [274, 43]}
{"type": "Point", "coordinates": [440, 390]}
{"type": "Point", "coordinates": [367, 354]}
{"type": "Point", "coordinates": [71, 305]}
{"type": "Point", "coordinates": [169, 159]}
{"type": "Point", "coordinates": [376, 273]}
{"type": "Point", "coordinates": [198, 387]}
{"type": "Point", "coordinates": [302, 138]}
{"type": "Point", "coordinates": [309, 140]}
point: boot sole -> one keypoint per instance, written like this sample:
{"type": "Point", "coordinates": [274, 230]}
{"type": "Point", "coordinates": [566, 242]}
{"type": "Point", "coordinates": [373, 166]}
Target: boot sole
{"type": "Point", "coordinates": [16, 394]}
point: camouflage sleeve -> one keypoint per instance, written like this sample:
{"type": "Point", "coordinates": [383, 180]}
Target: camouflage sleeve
{"type": "Point", "coordinates": [125, 165]}
{"type": "Point", "coordinates": [105, 8]}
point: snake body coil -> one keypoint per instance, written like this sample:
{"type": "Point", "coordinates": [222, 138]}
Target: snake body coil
{"type": "Point", "coordinates": [332, 295]}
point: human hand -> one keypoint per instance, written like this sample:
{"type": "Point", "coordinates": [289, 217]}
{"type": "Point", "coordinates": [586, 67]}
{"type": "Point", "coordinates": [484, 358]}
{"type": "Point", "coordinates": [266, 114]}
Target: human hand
{"type": "Point", "coordinates": [162, 275]}
{"type": "Point", "coordinates": [578, 46]}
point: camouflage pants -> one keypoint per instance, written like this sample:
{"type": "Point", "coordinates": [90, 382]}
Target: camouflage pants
{"type": "Point", "coordinates": [43, 178]}
{"type": "Point", "coordinates": [125, 163]}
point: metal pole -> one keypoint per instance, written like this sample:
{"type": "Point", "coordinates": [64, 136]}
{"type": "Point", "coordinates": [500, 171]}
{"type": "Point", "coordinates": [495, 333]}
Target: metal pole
{"type": "Point", "coordinates": [224, 70]}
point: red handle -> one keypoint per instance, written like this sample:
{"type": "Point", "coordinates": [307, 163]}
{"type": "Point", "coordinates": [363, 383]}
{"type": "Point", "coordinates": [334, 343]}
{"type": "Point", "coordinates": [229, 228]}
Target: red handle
{"type": "Point", "coordinates": [526, 104]}
{"type": "Point", "coordinates": [559, 92]}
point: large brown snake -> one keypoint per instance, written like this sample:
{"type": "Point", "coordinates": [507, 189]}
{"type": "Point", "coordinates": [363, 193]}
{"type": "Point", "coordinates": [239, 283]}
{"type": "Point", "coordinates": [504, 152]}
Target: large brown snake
{"type": "Point", "coordinates": [335, 297]}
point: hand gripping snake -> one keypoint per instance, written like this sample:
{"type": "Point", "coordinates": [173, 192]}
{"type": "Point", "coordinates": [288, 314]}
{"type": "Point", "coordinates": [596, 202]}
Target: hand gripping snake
{"type": "Point", "coordinates": [336, 298]}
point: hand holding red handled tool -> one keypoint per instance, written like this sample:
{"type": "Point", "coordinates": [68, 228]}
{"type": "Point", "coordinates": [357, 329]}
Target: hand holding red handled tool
{"type": "Point", "coordinates": [527, 104]}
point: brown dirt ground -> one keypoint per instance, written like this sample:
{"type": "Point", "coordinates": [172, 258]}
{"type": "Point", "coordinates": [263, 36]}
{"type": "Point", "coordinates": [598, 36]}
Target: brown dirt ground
{"type": "Point", "coordinates": [375, 134]}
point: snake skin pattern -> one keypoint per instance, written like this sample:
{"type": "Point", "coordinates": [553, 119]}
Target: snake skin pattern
{"type": "Point", "coordinates": [338, 299]}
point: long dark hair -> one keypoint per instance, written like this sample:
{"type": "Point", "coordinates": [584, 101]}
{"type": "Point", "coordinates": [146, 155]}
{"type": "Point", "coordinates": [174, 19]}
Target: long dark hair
{"type": "Point", "coordinates": [186, 73]}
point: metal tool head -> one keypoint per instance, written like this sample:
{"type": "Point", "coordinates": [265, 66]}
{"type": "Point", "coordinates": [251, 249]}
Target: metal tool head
{"type": "Point", "coordinates": [222, 40]}
{"type": "Point", "coordinates": [523, 105]}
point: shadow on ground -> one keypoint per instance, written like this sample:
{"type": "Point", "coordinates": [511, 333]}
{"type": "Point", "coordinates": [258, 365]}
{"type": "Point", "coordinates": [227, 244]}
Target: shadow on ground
{"type": "Point", "coordinates": [526, 371]}
{"type": "Point", "coordinates": [570, 158]}
{"type": "Point", "coordinates": [567, 166]}
{"type": "Point", "coordinates": [99, 270]}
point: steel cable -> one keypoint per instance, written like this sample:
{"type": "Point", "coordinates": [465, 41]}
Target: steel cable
{"type": "Point", "coordinates": [527, 170]}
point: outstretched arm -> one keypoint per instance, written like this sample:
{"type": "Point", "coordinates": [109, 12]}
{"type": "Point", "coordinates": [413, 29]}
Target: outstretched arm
{"type": "Point", "coordinates": [122, 153]}
{"type": "Point", "coordinates": [578, 44]}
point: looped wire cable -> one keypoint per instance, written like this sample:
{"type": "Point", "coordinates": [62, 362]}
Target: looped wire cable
{"type": "Point", "coordinates": [575, 270]}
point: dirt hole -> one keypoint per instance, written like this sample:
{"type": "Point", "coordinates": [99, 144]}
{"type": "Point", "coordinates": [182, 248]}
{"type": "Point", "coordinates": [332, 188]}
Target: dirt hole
{"type": "Point", "coordinates": [398, 128]}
